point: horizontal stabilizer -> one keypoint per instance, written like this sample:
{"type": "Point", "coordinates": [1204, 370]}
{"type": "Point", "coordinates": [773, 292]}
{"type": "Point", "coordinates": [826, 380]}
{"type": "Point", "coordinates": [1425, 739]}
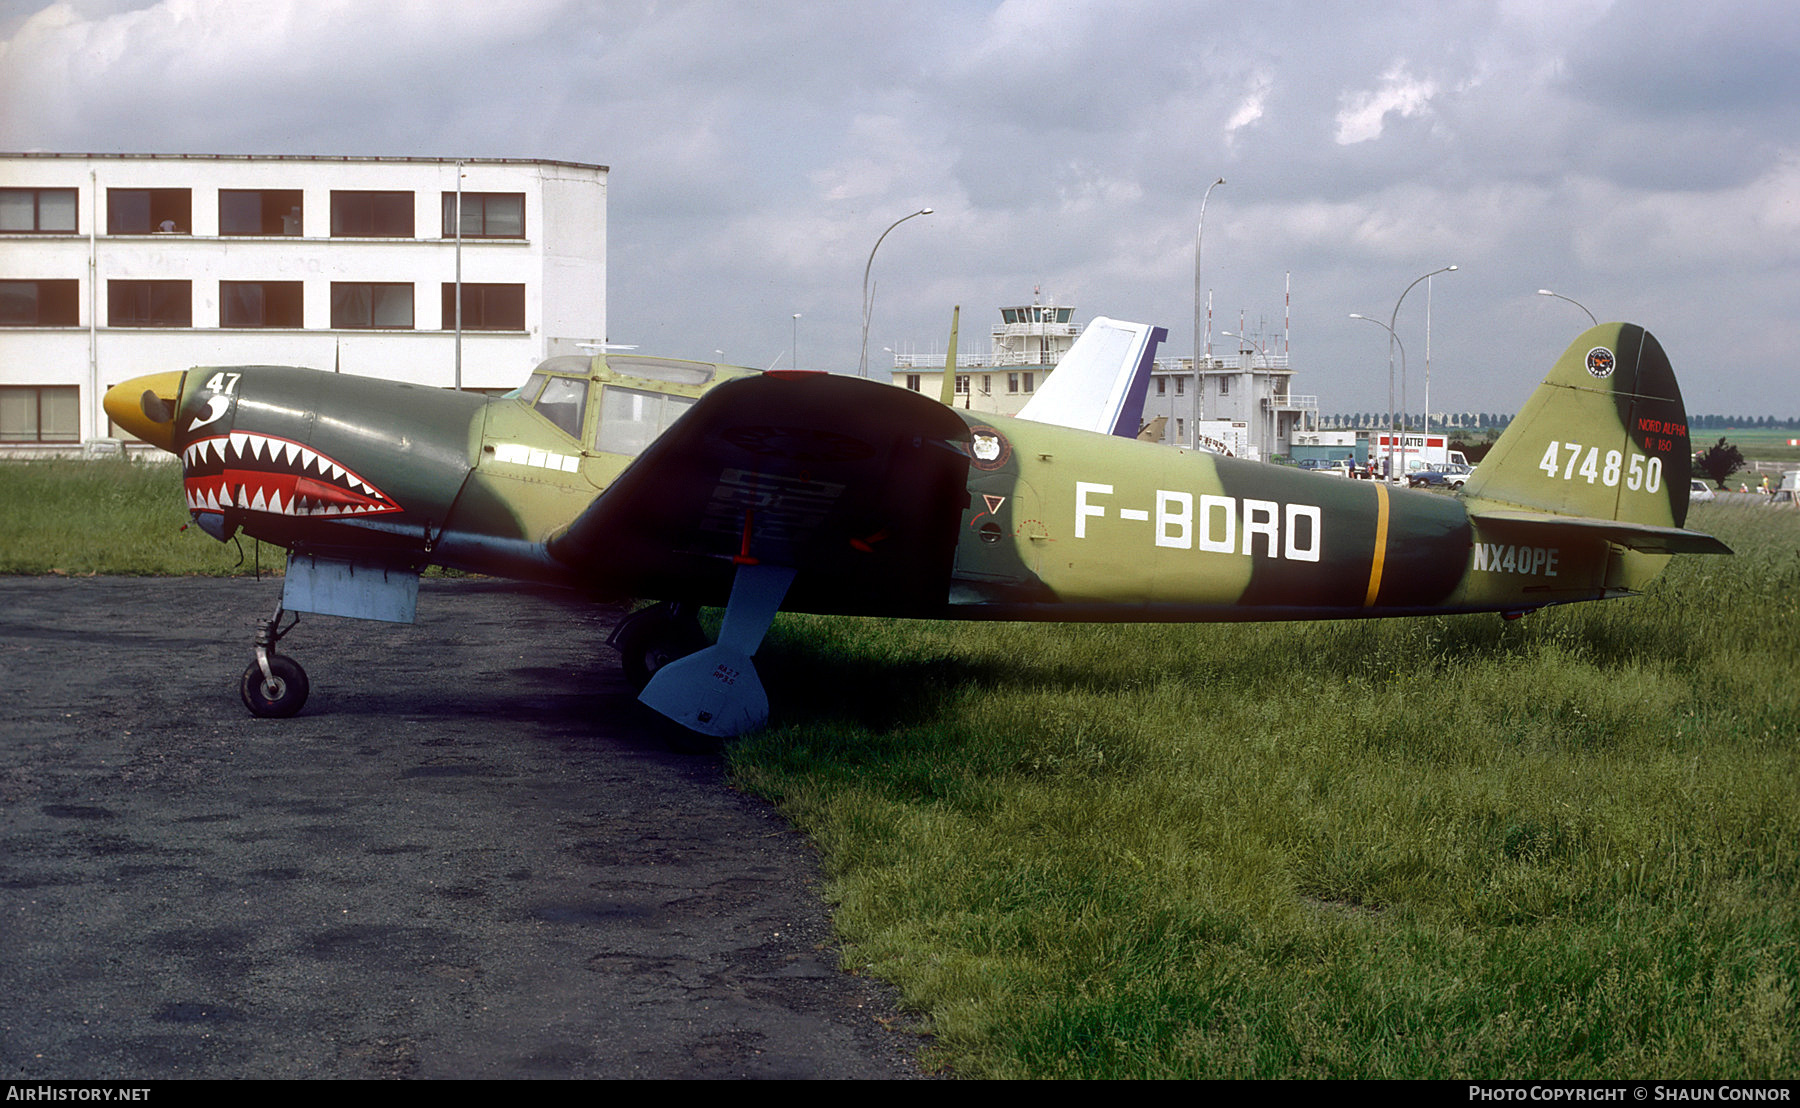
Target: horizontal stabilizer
{"type": "Point", "coordinates": [1100, 384]}
{"type": "Point", "coordinates": [1643, 537]}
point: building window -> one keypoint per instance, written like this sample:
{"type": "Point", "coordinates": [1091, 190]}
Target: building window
{"type": "Point", "coordinates": [1181, 386]}
{"type": "Point", "coordinates": [260, 304]}
{"type": "Point", "coordinates": [1029, 378]}
{"type": "Point", "coordinates": [1012, 382]}
{"type": "Point", "coordinates": [51, 303]}
{"type": "Point", "coordinates": [1180, 429]}
{"type": "Point", "coordinates": [486, 215]}
{"type": "Point", "coordinates": [962, 383]}
{"type": "Point", "coordinates": [987, 384]}
{"type": "Point", "coordinates": [260, 212]}
{"type": "Point", "coordinates": [1224, 386]}
{"type": "Point", "coordinates": [149, 211]}
{"type": "Point", "coordinates": [40, 413]}
{"type": "Point", "coordinates": [372, 215]}
{"type": "Point", "coordinates": [912, 381]}
{"type": "Point", "coordinates": [38, 211]}
{"type": "Point", "coordinates": [486, 307]}
{"type": "Point", "coordinates": [1162, 386]}
{"type": "Point", "coordinates": [366, 305]}
{"type": "Point", "coordinates": [150, 303]}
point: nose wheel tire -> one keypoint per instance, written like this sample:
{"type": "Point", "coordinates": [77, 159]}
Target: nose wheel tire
{"type": "Point", "coordinates": [278, 695]}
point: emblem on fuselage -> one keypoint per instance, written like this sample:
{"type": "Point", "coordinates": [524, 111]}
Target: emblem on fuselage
{"type": "Point", "coordinates": [263, 473]}
{"type": "Point", "coordinates": [988, 448]}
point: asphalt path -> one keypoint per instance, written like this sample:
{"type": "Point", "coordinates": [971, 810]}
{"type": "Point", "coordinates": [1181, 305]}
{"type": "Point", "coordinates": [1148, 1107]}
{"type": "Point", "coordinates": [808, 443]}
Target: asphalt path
{"type": "Point", "coordinates": [467, 857]}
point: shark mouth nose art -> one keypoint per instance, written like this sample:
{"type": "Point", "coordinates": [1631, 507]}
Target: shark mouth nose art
{"type": "Point", "coordinates": [263, 473]}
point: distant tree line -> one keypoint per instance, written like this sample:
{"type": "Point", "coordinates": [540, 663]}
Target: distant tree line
{"type": "Point", "coordinates": [1742, 422]}
{"type": "Point", "coordinates": [1456, 421]}
{"type": "Point", "coordinates": [1482, 421]}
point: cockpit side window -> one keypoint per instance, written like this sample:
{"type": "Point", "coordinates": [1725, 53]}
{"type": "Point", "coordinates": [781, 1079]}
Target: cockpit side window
{"type": "Point", "coordinates": [563, 401]}
{"type": "Point", "coordinates": [528, 392]}
{"type": "Point", "coordinates": [631, 419]}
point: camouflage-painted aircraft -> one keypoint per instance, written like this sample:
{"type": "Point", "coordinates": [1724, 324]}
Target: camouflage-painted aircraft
{"type": "Point", "coordinates": [694, 484]}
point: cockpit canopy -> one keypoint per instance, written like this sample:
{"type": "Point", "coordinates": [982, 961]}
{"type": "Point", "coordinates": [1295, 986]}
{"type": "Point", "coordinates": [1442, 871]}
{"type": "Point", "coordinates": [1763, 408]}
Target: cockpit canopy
{"type": "Point", "coordinates": [629, 419]}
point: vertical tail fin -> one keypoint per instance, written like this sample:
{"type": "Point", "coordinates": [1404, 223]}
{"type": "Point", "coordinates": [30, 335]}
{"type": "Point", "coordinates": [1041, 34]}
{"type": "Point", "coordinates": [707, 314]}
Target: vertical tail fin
{"type": "Point", "coordinates": [1604, 437]}
{"type": "Point", "coordinates": [1599, 453]}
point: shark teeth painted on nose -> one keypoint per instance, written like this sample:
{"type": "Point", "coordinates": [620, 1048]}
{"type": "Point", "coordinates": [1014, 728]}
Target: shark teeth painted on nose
{"type": "Point", "coordinates": [265, 473]}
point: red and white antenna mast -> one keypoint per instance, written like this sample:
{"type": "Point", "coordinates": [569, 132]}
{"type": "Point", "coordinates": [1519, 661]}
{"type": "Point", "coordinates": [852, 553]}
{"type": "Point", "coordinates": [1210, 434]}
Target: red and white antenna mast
{"type": "Point", "coordinates": [1287, 312]}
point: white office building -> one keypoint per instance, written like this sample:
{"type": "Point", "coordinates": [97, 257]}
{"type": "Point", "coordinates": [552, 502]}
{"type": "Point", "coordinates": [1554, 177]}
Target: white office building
{"type": "Point", "coordinates": [114, 266]}
{"type": "Point", "coordinates": [1239, 404]}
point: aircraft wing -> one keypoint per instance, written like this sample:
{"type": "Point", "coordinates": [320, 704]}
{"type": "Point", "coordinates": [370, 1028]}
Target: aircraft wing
{"type": "Point", "coordinates": [1100, 384]}
{"type": "Point", "coordinates": [856, 485]}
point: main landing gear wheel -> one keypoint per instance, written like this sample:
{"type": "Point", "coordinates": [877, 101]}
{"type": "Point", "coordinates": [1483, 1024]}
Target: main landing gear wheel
{"type": "Point", "coordinates": [278, 695]}
{"type": "Point", "coordinates": [651, 638]}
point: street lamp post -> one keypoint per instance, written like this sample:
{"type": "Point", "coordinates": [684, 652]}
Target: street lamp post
{"type": "Point", "coordinates": [862, 365]}
{"type": "Point", "coordinates": [1577, 303]}
{"type": "Point", "coordinates": [1393, 341]}
{"type": "Point", "coordinates": [1199, 239]}
{"type": "Point", "coordinates": [459, 320]}
{"type": "Point", "coordinates": [1393, 320]}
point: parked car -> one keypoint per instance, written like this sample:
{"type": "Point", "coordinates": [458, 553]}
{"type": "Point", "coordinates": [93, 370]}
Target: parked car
{"type": "Point", "coordinates": [1699, 490]}
{"type": "Point", "coordinates": [1436, 478]}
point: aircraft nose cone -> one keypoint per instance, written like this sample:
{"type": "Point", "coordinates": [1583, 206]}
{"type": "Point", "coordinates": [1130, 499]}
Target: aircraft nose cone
{"type": "Point", "coordinates": [146, 406]}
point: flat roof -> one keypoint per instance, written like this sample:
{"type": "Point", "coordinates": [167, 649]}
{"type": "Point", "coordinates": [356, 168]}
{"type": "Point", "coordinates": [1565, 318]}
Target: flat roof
{"type": "Point", "coordinates": [385, 158]}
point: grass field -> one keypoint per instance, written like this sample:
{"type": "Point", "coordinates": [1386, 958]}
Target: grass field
{"type": "Point", "coordinates": [117, 517]}
{"type": "Point", "coordinates": [1756, 443]}
{"type": "Point", "coordinates": [1563, 847]}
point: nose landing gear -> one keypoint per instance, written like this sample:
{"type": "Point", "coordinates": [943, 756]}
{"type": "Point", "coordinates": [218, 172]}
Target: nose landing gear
{"type": "Point", "coordinates": [274, 686]}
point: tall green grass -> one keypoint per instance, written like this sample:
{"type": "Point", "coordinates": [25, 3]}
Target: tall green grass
{"type": "Point", "coordinates": [111, 516]}
{"type": "Point", "coordinates": [1563, 847]}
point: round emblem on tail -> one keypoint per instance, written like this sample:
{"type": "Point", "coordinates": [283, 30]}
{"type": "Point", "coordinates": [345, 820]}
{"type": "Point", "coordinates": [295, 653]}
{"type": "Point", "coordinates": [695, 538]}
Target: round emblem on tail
{"type": "Point", "coordinates": [1600, 362]}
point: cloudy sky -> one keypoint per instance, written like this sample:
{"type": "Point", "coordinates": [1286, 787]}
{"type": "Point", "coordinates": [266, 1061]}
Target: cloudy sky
{"type": "Point", "coordinates": [1640, 157]}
